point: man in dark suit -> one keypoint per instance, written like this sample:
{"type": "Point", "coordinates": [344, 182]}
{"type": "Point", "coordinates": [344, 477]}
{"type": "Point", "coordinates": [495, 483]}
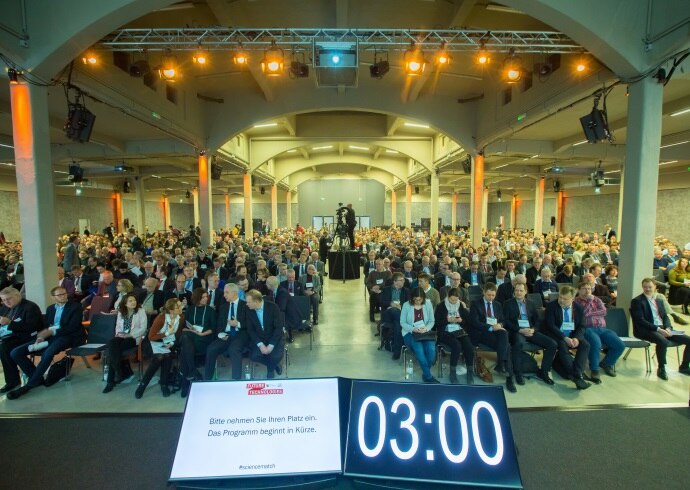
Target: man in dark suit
{"type": "Point", "coordinates": [71, 256]}
{"type": "Point", "coordinates": [215, 294]}
{"type": "Point", "coordinates": [486, 327]}
{"type": "Point", "coordinates": [522, 322]}
{"type": "Point", "coordinates": [286, 304]}
{"type": "Point", "coordinates": [19, 320]}
{"type": "Point", "coordinates": [293, 287]}
{"type": "Point", "coordinates": [231, 333]}
{"type": "Point", "coordinates": [137, 245]}
{"type": "Point", "coordinates": [473, 277]}
{"type": "Point", "coordinates": [81, 282]}
{"type": "Point", "coordinates": [222, 272]}
{"type": "Point", "coordinates": [506, 290]}
{"type": "Point", "coordinates": [650, 322]}
{"type": "Point", "coordinates": [392, 299]}
{"type": "Point", "coordinates": [265, 332]}
{"type": "Point", "coordinates": [455, 282]}
{"type": "Point", "coordinates": [179, 291]}
{"type": "Point", "coordinates": [369, 264]}
{"type": "Point", "coordinates": [533, 273]}
{"type": "Point", "coordinates": [564, 323]}
{"type": "Point", "coordinates": [190, 281]}
{"type": "Point", "coordinates": [301, 267]}
{"type": "Point", "coordinates": [442, 277]}
{"type": "Point", "coordinates": [351, 221]}
{"type": "Point", "coordinates": [62, 330]}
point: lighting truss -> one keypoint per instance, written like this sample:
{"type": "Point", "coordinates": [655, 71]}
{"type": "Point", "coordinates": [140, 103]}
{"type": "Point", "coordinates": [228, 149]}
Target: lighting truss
{"type": "Point", "coordinates": [252, 39]}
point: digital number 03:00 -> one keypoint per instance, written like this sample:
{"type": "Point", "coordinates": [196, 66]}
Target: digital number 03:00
{"type": "Point", "coordinates": [408, 425]}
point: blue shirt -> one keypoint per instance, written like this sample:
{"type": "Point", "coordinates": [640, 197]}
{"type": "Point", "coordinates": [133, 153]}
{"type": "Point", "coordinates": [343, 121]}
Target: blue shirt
{"type": "Point", "coordinates": [58, 315]}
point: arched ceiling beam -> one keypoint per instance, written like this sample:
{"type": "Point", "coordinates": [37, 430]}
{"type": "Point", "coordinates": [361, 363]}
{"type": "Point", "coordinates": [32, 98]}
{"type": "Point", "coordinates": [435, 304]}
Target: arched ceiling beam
{"type": "Point", "coordinates": [288, 167]}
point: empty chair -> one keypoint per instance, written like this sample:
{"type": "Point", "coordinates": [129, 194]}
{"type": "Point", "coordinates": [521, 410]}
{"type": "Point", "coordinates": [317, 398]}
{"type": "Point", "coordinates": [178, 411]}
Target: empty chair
{"type": "Point", "coordinates": [100, 331]}
{"type": "Point", "coordinates": [617, 322]}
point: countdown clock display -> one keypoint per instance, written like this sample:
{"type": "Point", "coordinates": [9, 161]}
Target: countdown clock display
{"type": "Point", "coordinates": [450, 434]}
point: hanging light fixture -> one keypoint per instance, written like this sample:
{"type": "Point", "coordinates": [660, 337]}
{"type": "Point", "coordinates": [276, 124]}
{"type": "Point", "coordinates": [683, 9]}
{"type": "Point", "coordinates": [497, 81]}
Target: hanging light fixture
{"type": "Point", "coordinates": [482, 57]}
{"type": "Point", "coordinates": [168, 70]}
{"type": "Point", "coordinates": [200, 56]}
{"type": "Point", "coordinates": [413, 61]}
{"type": "Point", "coordinates": [240, 56]}
{"type": "Point", "coordinates": [89, 58]}
{"type": "Point", "coordinates": [442, 56]}
{"type": "Point", "coordinates": [512, 68]}
{"type": "Point", "coordinates": [273, 61]}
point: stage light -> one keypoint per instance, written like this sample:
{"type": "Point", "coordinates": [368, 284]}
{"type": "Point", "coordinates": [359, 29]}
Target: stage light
{"type": "Point", "coordinates": [240, 56]}
{"type": "Point", "coordinates": [12, 75]}
{"type": "Point", "coordinates": [335, 59]}
{"type": "Point", "coordinates": [413, 61]}
{"type": "Point", "coordinates": [299, 69]}
{"type": "Point", "coordinates": [78, 191]}
{"type": "Point", "coordinates": [582, 65]}
{"type": "Point", "coordinates": [499, 195]}
{"type": "Point", "coordinates": [188, 194]}
{"type": "Point", "coordinates": [168, 70]}
{"type": "Point", "coordinates": [200, 57]}
{"type": "Point", "coordinates": [89, 58]}
{"type": "Point", "coordinates": [442, 56]}
{"type": "Point", "coordinates": [512, 68]}
{"type": "Point", "coordinates": [597, 190]}
{"type": "Point", "coordinates": [273, 61]}
{"type": "Point", "coordinates": [482, 57]}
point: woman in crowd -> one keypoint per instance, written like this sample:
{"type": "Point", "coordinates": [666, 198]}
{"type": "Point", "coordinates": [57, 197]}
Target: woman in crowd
{"type": "Point", "coordinates": [130, 328]}
{"type": "Point", "coordinates": [124, 287]}
{"type": "Point", "coordinates": [596, 333]}
{"type": "Point", "coordinates": [165, 332]}
{"type": "Point", "coordinates": [417, 322]}
{"type": "Point", "coordinates": [679, 279]}
{"type": "Point", "coordinates": [451, 317]}
{"type": "Point", "coordinates": [200, 320]}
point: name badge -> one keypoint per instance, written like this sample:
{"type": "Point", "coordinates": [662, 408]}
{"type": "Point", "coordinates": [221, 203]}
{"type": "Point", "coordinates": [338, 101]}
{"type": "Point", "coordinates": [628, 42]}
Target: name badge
{"type": "Point", "coordinates": [547, 294]}
{"type": "Point", "coordinates": [523, 323]}
{"type": "Point", "coordinates": [453, 327]}
{"type": "Point", "coordinates": [198, 328]}
{"type": "Point", "coordinates": [292, 294]}
{"type": "Point", "coordinates": [658, 323]}
{"type": "Point", "coordinates": [567, 327]}
{"type": "Point", "coordinates": [169, 339]}
{"type": "Point", "coordinates": [419, 324]}
{"type": "Point", "coordinates": [409, 279]}
{"type": "Point", "coordinates": [475, 283]}
{"type": "Point", "coordinates": [491, 321]}
{"type": "Point", "coordinates": [310, 284]}
{"type": "Point", "coordinates": [379, 281]}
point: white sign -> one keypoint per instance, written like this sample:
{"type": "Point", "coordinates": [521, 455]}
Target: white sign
{"type": "Point", "coordinates": [259, 428]}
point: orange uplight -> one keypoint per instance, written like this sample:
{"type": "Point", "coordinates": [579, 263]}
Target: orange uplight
{"type": "Point", "coordinates": [22, 130]}
{"type": "Point", "coordinates": [483, 57]}
{"type": "Point", "coordinates": [240, 58]}
{"type": "Point", "coordinates": [200, 58]}
{"type": "Point", "coordinates": [89, 59]}
{"type": "Point", "coordinates": [413, 61]}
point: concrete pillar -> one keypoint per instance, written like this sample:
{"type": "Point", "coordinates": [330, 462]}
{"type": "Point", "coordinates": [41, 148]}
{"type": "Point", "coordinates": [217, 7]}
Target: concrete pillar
{"type": "Point", "coordinates": [288, 211]}
{"type": "Point", "coordinates": [394, 208]}
{"type": "Point", "coordinates": [141, 211]}
{"type": "Point", "coordinates": [195, 203]}
{"type": "Point", "coordinates": [434, 203]}
{"type": "Point", "coordinates": [36, 198]}
{"type": "Point", "coordinates": [454, 212]}
{"type": "Point", "coordinates": [205, 203]}
{"type": "Point", "coordinates": [560, 207]}
{"type": "Point", "coordinates": [408, 206]}
{"type": "Point", "coordinates": [640, 189]}
{"type": "Point", "coordinates": [538, 206]}
{"type": "Point", "coordinates": [619, 228]}
{"type": "Point", "coordinates": [476, 198]}
{"type": "Point", "coordinates": [117, 203]}
{"type": "Point", "coordinates": [485, 209]}
{"type": "Point", "coordinates": [166, 212]}
{"type": "Point", "coordinates": [248, 228]}
{"type": "Point", "coordinates": [513, 212]}
{"type": "Point", "coordinates": [227, 211]}
{"type": "Point", "coordinates": [274, 206]}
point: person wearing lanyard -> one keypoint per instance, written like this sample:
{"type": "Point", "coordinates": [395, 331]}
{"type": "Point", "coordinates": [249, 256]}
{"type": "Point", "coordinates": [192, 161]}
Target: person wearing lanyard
{"type": "Point", "coordinates": [522, 322]}
{"type": "Point", "coordinates": [265, 332]}
{"type": "Point", "coordinates": [200, 319]}
{"type": "Point", "coordinates": [451, 319]}
{"type": "Point", "coordinates": [62, 330]}
{"type": "Point", "coordinates": [311, 285]}
{"type": "Point", "coordinates": [651, 323]}
{"type": "Point", "coordinates": [230, 333]}
{"type": "Point", "coordinates": [486, 327]}
{"type": "Point", "coordinates": [417, 320]}
{"type": "Point", "coordinates": [564, 322]}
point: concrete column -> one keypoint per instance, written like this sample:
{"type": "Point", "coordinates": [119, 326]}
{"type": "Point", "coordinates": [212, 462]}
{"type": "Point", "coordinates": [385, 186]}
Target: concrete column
{"type": "Point", "coordinates": [619, 228]}
{"type": "Point", "coordinates": [248, 228]}
{"type": "Point", "coordinates": [434, 204]}
{"type": "Point", "coordinates": [394, 208]}
{"type": "Point", "coordinates": [274, 206]}
{"type": "Point", "coordinates": [195, 203]}
{"type": "Point", "coordinates": [205, 203]}
{"type": "Point", "coordinates": [485, 209]}
{"type": "Point", "coordinates": [513, 212]}
{"type": "Point", "coordinates": [35, 192]}
{"type": "Point", "coordinates": [454, 212]}
{"type": "Point", "coordinates": [640, 189]}
{"type": "Point", "coordinates": [166, 212]}
{"type": "Point", "coordinates": [119, 222]}
{"type": "Point", "coordinates": [538, 205]}
{"type": "Point", "coordinates": [288, 211]}
{"type": "Point", "coordinates": [408, 206]}
{"type": "Point", "coordinates": [476, 199]}
{"type": "Point", "coordinates": [141, 211]}
{"type": "Point", "coordinates": [560, 207]}
{"type": "Point", "coordinates": [227, 211]}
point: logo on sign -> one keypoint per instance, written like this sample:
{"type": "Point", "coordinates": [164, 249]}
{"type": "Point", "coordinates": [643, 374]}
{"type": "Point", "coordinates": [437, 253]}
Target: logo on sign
{"type": "Point", "coordinates": [264, 389]}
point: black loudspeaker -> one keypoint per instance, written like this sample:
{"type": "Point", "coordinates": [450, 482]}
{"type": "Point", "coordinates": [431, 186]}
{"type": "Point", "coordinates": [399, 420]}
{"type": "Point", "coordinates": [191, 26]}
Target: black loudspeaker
{"type": "Point", "coordinates": [467, 165]}
{"type": "Point", "coordinates": [556, 186]}
{"type": "Point", "coordinates": [416, 189]}
{"type": "Point", "coordinates": [216, 171]}
{"type": "Point", "coordinates": [79, 123]}
{"type": "Point", "coordinates": [553, 221]}
{"type": "Point", "coordinates": [594, 126]}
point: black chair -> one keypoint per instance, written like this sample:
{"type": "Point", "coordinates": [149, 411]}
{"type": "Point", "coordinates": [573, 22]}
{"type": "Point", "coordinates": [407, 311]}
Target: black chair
{"type": "Point", "coordinates": [99, 333]}
{"type": "Point", "coordinates": [618, 323]}
{"type": "Point", "coordinates": [536, 299]}
{"type": "Point", "coordinates": [304, 307]}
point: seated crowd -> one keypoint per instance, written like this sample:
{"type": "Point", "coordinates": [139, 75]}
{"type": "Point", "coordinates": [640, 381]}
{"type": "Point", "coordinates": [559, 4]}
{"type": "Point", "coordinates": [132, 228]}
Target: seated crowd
{"type": "Point", "coordinates": [182, 306]}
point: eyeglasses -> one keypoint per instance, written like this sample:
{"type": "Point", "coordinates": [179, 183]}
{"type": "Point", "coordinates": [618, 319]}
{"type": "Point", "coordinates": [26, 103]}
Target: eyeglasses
{"type": "Point", "coordinates": [59, 294]}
